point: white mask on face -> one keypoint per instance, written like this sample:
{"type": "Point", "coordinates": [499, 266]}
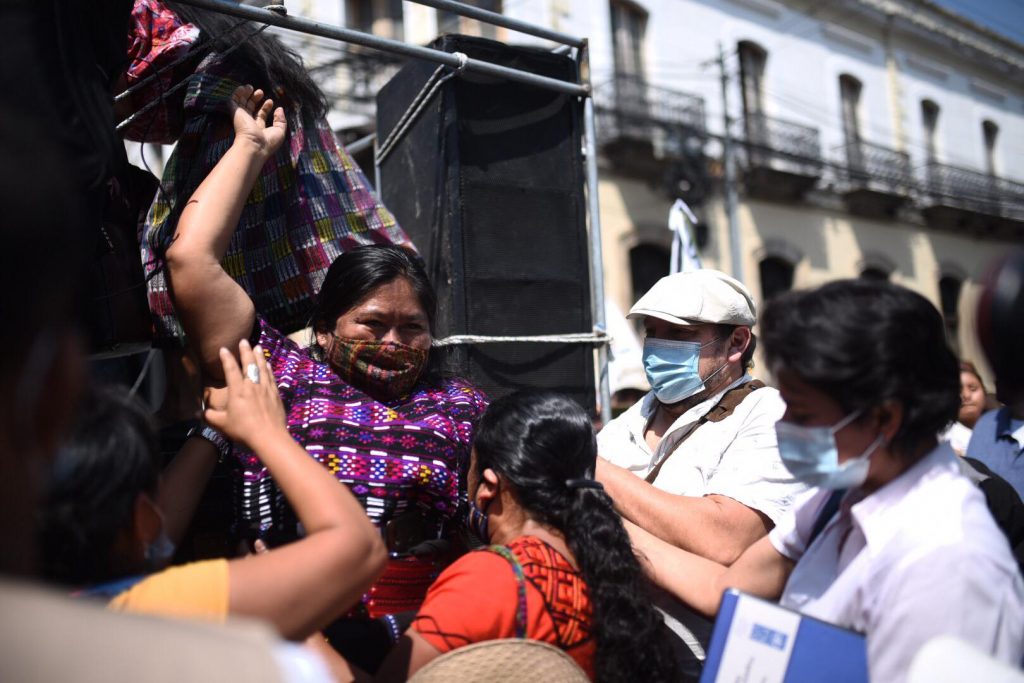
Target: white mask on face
{"type": "Point", "coordinates": [812, 457]}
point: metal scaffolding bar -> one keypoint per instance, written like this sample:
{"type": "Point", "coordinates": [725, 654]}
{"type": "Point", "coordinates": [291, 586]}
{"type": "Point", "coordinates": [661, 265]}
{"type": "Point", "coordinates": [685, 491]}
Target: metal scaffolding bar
{"type": "Point", "coordinates": [596, 255]}
{"type": "Point", "coordinates": [498, 19]}
{"type": "Point", "coordinates": [386, 44]}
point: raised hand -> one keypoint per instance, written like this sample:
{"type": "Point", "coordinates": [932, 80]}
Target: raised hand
{"type": "Point", "coordinates": [256, 120]}
{"type": "Point", "coordinates": [253, 409]}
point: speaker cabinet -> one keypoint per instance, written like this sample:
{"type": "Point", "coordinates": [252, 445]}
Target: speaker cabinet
{"type": "Point", "coordinates": [489, 185]}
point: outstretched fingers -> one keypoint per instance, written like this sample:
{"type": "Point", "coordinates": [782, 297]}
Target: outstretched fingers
{"type": "Point", "coordinates": [217, 415]}
{"type": "Point", "coordinates": [232, 371]}
{"type": "Point", "coordinates": [265, 113]}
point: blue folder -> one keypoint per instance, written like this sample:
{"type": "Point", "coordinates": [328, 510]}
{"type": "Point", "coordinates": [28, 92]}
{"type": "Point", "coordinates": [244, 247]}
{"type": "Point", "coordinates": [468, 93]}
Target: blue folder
{"type": "Point", "coordinates": [816, 650]}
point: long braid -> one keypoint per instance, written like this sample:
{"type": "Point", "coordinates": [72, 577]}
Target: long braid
{"type": "Point", "coordinates": [538, 442]}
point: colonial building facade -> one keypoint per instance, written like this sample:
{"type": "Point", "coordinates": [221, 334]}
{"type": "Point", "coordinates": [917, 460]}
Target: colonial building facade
{"type": "Point", "coordinates": [872, 138]}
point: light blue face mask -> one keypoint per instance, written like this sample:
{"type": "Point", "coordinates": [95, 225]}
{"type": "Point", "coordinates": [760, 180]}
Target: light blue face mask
{"type": "Point", "coordinates": [672, 368]}
{"type": "Point", "coordinates": [812, 457]}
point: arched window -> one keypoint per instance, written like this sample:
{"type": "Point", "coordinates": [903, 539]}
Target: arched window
{"type": "Point", "coordinates": [849, 97]}
{"type": "Point", "coordinates": [776, 276]}
{"type": "Point", "coordinates": [753, 58]}
{"type": "Point", "coordinates": [990, 132]}
{"type": "Point", "coordinates": [629, 27]}
{"type": "Point", "coordinates": [849, 94]}
{"type": "Point", "coordinates": [949, 299]}
{"type": "Point", "coordinates": [930, 123]}
{"type": "Point", "coordinates": [648, 263]}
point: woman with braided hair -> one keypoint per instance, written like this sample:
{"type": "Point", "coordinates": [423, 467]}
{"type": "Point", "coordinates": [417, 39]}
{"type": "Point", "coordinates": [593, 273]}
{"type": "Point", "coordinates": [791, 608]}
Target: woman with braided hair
{"type": "Point", "coordinates": [561, 568]}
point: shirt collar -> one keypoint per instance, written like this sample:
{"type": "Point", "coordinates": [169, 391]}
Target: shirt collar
{"type": "Point", "coordinates": [650, 403]}
{"type": "Point", "coordinates": [1007, 427]}
{"type": "Point", "coordinates": [869, 513]}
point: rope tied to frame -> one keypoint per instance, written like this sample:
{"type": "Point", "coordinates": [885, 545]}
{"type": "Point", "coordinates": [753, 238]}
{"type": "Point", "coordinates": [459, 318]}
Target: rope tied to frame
{"type": "Point", "coordinates": [418, 104]}
{"type": "Point", "coordinates": [596, 338]}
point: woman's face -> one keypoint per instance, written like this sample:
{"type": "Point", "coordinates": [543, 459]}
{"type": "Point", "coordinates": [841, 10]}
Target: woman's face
{"type": "Point", "coordinates": [972, 399]}
{"type": "Point", "coordinates": [392, 313]}
{"type": "Point", "coordinates": [807, 406]}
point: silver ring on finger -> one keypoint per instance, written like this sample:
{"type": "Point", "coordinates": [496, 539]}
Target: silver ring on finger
{"type": "Point", "coordinates": [252, 373]}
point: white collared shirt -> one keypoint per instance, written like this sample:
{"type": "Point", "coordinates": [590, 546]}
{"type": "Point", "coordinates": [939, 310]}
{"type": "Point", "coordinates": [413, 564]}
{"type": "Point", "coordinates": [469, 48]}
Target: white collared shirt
{"type": "Point", "coordinates": [737, 457]}
{"type": "Point", "coordinates": [918, 558]}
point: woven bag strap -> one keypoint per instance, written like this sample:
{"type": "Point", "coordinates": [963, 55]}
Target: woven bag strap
{"type": "Point", "coordinates": [517, 571]}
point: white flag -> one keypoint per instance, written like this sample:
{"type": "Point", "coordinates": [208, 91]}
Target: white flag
{"type": "Point", "coordinates": [684, 247]}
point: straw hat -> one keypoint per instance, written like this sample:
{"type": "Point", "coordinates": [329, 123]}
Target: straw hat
{"type": "Point", "coordinates": [511, 660]}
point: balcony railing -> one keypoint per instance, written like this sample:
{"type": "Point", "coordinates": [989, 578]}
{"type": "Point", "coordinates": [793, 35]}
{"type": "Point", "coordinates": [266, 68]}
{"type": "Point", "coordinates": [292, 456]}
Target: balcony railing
{"type": "Point", "coordinates": [629, 106]}
{"type": "Point", "coordinates": [974, 191]}
{"type": "Point", "coordinates": [767, 137]}
{"type": "Point", "coordinates": [878, 168]}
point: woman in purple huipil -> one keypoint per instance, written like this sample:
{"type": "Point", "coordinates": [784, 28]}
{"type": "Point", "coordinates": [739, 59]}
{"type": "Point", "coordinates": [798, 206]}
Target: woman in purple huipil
{"type": "Point", "coordinates": [367, 399]}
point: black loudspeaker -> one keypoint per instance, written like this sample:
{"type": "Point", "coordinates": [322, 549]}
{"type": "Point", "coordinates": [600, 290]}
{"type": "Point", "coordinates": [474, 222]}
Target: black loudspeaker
{"type": "Point", "coordinates": [489, 185]}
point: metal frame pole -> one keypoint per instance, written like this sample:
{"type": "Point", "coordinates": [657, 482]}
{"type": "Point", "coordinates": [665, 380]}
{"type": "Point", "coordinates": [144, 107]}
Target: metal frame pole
{"type": "Point", "coordinates": [388, 45]}
{"type": "Point", "coordinates": [396, 46]}
{"type": "Point", "coordinates": [596, 251]}
{"type": "Point", "coordinates": [501, 20]}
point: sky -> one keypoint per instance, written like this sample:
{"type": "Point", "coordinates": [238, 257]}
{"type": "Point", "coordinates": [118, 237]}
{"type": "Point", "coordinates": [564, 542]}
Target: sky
{"type": "Point", "coordinates": [1003, 16]}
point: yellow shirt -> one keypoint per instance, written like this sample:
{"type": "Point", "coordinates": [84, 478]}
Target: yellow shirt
{"type": "Point", "coordinates": [198, 590]}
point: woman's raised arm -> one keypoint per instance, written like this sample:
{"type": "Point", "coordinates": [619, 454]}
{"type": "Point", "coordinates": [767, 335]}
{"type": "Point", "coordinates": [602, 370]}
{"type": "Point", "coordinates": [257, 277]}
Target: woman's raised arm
{"type": "Point", "coordinates": [214, 310]}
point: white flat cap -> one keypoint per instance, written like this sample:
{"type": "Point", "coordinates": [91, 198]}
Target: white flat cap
{"type": "Point", "coordinates": [698, 296]}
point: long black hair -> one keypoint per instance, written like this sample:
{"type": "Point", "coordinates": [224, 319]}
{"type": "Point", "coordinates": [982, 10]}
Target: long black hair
{"type": "Point", "coordinates": [863, 342]}
{"type": "Point", "coordinates": [536, 441]}
{"type": "Point", "coordinates": [273, 67]}
{"type": "Point", "coordinates": [111, 457]}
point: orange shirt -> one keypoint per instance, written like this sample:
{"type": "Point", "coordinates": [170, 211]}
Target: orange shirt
{"type": "Point", "coordinates": [476, 598]}
{"type": "Point", "coordinates": [198, 590]}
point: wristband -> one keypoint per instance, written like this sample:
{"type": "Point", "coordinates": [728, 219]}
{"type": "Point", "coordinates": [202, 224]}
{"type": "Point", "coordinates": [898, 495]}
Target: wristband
{"type": "Point", "coordinates": [205, 431]}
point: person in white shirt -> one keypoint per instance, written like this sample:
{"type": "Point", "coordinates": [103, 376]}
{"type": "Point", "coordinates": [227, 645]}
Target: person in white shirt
{"type": "Point", "coordinates": [893, 541]}
{"type": "Point", "coordinates": [695, 461]}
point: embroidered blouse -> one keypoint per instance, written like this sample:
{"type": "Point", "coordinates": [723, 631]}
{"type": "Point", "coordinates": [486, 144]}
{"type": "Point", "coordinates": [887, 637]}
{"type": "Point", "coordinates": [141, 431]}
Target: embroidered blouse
{"type": "Point", "coordinates": [397, 455]}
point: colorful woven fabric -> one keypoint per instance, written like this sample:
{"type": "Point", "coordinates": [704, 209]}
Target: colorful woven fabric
{"type": "Point", "coordinates": [382, 368]}
{"type": "Point", "coordinates": [310, 203]}
{"type": "Point", "coordinates": [157, 39]}
{"type": "Point", "coordinates": [558, 609]}
{"type": "Point", "coordinates": [406, 454]}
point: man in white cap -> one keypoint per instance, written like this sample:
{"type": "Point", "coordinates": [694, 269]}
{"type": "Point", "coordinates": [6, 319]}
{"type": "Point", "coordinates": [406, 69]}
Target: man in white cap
{"type": "Point", "coordinates": [695, 462]}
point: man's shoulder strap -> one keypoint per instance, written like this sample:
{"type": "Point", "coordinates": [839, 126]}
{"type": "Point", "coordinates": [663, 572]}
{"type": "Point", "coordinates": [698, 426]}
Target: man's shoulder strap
{"type": "Point", "coordinates": [723, 409]}
{"type": "Point", "coordinates": [731, 400]}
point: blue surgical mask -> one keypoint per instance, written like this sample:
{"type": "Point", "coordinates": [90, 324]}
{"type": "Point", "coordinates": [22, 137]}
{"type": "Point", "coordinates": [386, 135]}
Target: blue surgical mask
{"type": "Point", "coordinates": [160, 552]}
{"type": "Point", "coordinates": [812, 457]}
{"type": "Point", "coordinates": [672, 368]}
{"type": "Point", "coordinates": [476, 522]}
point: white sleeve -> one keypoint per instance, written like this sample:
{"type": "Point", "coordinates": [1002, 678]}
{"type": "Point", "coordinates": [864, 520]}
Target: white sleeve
{"type": "Point", "coordinates": [751, 470]}
{"type": "Point", "coordinates": [791, 534]}
{"type": "Point", "coordinates": [944, 592]}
